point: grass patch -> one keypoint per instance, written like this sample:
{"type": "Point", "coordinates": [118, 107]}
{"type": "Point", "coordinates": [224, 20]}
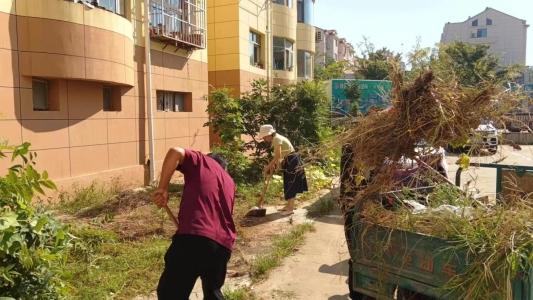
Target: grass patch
{"type": "Point", "coordinates": [100, 267]}
{"type": "Point", "coordinates": [322, 206]}
{"type": "Point", "coordinates": [93, 196]}
{"type": "Point", "coordinates": [242, 293]}
{"type": "Point", "coordinates": [283, 246]}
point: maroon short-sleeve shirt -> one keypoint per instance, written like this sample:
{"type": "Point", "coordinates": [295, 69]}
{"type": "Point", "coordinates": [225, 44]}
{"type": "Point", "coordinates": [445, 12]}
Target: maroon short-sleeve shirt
{"type": "Point", "coordinates": [206, 207]}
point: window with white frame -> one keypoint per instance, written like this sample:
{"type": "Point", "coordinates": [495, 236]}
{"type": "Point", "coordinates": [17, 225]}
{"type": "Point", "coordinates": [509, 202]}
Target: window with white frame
{"type": "Point", "coordinates": [255, 49]}
{"type": "Point", "coordinates": [173, 101]}
{"type": "Point", "coordinates": [481, 33]}
{"type": "Point", "coordinates": [305, 64]}
{"type": "Point", "coordinates": [283, 2]}
{"type": "Point", "coordinates": [283, 54]}
{"type": "Point", "coordinates": [116, 6]}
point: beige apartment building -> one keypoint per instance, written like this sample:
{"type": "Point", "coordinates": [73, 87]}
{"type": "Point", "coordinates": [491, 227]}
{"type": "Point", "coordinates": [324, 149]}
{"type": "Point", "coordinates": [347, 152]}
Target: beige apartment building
{"type": "Point", "coordinates": [506, 35]}
{"type": "Point", "coordinates": [253, 39]}
{"type": "Point", "coordinates": [73, 84]}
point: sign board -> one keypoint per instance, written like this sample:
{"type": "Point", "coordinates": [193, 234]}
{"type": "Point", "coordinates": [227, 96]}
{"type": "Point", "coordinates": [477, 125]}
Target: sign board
{"type": "Point", "coordinates": [374, 93]}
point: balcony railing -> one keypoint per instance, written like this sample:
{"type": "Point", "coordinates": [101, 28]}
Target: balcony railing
{"type": "Point", "coordinates": [178, 22]}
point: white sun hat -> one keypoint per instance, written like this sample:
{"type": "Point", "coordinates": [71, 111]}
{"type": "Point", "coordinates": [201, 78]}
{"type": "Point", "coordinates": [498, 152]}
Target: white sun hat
{"type": "Point", "coordinates": [265, 130]}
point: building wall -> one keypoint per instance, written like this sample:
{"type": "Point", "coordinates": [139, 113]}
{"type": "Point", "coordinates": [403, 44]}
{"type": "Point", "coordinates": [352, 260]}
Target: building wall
{"type": "Point", "coordinates": [506, 36]}
{"type": "Point", "coordinates": [306, 39]}
{"type": "Point", "coordinates": [320, 46]}
{"type": "Point", "coordinates": [80, 50]}
{"type": "Point", "coordinates": [284, 24]}
{"type": "Point", "coordinates": [229, 25]}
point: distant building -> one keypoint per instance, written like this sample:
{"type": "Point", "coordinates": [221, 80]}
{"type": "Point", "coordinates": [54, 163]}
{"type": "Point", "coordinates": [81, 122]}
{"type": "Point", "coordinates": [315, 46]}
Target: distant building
{"type": "Point", "coordinates": [506, 35]}
{"type": "Point", "coordinates": [329, 46]}
{"type": "Point", "coordinates": [346, 51]}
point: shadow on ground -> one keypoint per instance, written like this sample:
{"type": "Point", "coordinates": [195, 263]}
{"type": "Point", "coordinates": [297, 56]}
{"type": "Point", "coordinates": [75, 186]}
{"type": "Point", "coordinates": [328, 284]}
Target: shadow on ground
{"type": "Point", "coordinates": [340, 297]}
{"type": "Point", "coordinates": [340, 268]}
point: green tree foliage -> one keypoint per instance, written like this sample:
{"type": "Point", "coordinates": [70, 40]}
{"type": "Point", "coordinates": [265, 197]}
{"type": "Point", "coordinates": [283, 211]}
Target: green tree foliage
{"type": "Point", "coordinates": [298, 111]}
{"type": "Point", "coordinates": [332, 70]}
{"type": "Point", "coordinates": [32, 243]}
{"type": "Point", "coordinates": [374, 64]}
{"type": "Point", "coordinates": [354, 95]}
{"type": "Point", "coordinates": [470, 64]}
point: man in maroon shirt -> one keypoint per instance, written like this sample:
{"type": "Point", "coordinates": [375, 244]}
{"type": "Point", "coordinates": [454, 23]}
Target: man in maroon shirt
{"type": "Point", "coordinates": [203, 242]}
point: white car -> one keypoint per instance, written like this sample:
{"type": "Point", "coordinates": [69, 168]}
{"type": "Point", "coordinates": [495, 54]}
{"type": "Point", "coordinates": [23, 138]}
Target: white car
{"type": "Point", "coordinates": [486, 137]}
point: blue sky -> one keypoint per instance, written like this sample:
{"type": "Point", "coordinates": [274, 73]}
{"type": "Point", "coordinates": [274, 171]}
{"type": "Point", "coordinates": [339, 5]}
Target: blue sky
{"type": "Point", "coordinates": [396, 24]}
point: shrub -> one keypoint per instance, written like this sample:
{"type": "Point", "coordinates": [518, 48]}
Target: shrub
{"type": "Point", "coordinates": [299, 111]}
{"type": "Point", "coordinates": [32, 243]}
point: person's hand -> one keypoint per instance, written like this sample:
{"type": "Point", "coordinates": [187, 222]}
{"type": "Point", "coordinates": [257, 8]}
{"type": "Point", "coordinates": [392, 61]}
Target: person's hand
{"type": "Point", "coordinates": [160, 197]}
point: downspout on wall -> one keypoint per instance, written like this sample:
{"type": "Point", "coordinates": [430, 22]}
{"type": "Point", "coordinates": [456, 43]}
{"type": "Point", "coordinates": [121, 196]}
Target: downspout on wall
{"type": "Point", "coordinates": [148, 63]}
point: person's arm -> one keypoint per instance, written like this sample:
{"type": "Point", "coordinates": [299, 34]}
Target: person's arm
{"type": "Point", "coordinates": [173, 158]}
{"type": "Point", "coordinates": [274, 163]}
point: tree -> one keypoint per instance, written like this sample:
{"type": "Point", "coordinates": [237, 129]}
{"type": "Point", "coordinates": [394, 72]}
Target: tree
{"type": "Point", "coordinates": [374, 64]}
{"type": "Point", "coordinates": [298, 111]}
{"type": "Point", "coordinates": [332, 70]}
{"type": "Point", "coordinates": [473, 64]}
{"type": "Point", "coordinates": [354, 95]}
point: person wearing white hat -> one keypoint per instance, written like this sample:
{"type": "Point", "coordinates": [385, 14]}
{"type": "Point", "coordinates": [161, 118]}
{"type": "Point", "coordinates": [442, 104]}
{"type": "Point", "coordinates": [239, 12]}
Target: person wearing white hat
{"type": "Point", "coordinates": [294, 180]}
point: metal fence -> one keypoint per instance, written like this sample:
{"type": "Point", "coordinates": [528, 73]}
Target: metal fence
{"type": "Point", "coordinates": [178, 21]}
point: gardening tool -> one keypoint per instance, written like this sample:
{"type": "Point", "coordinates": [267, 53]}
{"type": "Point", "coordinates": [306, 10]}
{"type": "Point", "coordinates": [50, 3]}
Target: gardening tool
{"type": "Point", "coordinates": [259, 211]}
{"type": "Point", "coordinates": [171, 215]}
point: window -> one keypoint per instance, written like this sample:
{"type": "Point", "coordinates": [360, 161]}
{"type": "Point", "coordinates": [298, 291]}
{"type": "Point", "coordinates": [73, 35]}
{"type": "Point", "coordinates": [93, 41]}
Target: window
{"type": "Point", "coordinates": [283, 2]}
{"type": "Point", "coordinates": [283, 54]}
{"type": "Point", "coordinates": [255, 49]}
{"type": "Point", "coordinates": [40, 94]}
{"type": "Point", "coordinates": [489, 22]}
{"type": "Point", "coordinates": [474, 23]}
{"type": "Point", "coordinates": [318, 36]}
{"type": "Point", "coordinates": [300, 6]}
{"type": "Point", "coordinates": [116, 6]}
{"type": "Point", "coordinates": [46, 94]}
{"type": "Point", "coordinates": [481, 33]}
{"type": "Point", "coordinates": [305, 64]}
{"type": "Point", "coordinates": [111, 98]}
{"type": "Point", "coordinates": [174, 101]}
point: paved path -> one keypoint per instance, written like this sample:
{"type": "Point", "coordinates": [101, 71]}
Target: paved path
{"type": "Point", "coordinates": [319, 270]}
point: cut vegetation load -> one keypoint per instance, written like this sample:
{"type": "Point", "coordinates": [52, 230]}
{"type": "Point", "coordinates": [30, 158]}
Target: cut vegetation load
{"type": "Point", "coordinates": [410, 231]}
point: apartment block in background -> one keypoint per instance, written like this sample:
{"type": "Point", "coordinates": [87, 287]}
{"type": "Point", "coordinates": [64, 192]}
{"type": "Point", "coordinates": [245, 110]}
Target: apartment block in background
{"type": "Point", "coordinates": [73, 84]}
{"type": "Point", "coordinates": [506, 35]}
{"type": "Point", "coordinates": [239, 47]}
{"type": "Point", "coordinates": [329, 46]}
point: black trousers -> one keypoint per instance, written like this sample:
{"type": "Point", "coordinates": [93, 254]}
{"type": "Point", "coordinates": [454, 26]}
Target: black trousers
{"type": "Point", "coordinates": [190, 257]}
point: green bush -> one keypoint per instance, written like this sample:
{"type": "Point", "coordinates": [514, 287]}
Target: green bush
{"type": "Point", "coordinates": [299, 111]}
{"type": "Point", "coordinates": [32, 243]}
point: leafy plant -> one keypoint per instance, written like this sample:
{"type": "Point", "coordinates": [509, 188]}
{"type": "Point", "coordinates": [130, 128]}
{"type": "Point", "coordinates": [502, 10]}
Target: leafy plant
{"type": "Point", "coordinates": [354, 95]}
{"type": "Point", "coordinates": [331, 70]}
{"type": "Point", "coordinates": [298, 111]}
{"type": "Point", "coordinates": [32, 242]}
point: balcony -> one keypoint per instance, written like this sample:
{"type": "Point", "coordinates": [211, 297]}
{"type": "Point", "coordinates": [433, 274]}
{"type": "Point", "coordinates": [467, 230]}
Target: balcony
{"type": "Point", "coordinates": [178, 22]}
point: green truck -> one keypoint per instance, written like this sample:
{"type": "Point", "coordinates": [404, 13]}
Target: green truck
{"type": "Point", "coordinates": [410, 265]}
{"type": "Point", "coordinates": [374, 93]}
